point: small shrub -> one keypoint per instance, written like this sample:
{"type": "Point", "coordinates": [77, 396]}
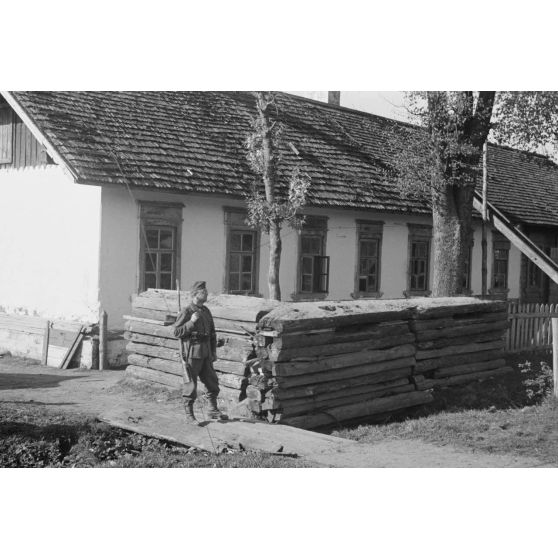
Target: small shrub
{"type": "Point", "coordinates": [537, 381]}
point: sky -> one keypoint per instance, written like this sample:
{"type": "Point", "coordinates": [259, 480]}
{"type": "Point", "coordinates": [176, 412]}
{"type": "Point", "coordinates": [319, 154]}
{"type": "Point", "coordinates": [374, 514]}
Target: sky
{"type": "Point", "coordinates": [383, 103]}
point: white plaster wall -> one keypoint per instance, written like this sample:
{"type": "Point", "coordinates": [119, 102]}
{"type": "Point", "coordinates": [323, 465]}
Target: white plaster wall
{"type": "Point", "coordinates": [204, 245]}
{"type": "Point", "coordinates": [49, 244]}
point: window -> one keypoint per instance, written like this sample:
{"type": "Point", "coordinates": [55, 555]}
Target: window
{"type": "Point", "coordinates": [419, 260]}
{"type": "Point", "coordinates": [313, 263]}
{"type": "Point", "coordinates": [500, 250]}
{"type": "Point", "coordinates": [159, 242]}
{"type": "Point", "coordinates": [242, 254]}
{"type": "Point", "coordinates": [466, 282]}
{"type": "Point", "coordinates": [160, 258]}
{"type": "Point", "coordinates": [369, 239]}
{"type": "Point", "coordinates": [6, 133]}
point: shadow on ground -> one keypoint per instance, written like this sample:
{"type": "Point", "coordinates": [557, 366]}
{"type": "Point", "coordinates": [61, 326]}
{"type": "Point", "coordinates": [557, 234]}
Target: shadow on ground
{"type": "Point", "coordinates": [32, 381]}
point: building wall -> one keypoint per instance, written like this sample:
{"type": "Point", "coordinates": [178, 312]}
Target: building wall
{"type": "Point", "coordinates": [203, 251]}
{"type": "Point", "coordinates": [49, 245]}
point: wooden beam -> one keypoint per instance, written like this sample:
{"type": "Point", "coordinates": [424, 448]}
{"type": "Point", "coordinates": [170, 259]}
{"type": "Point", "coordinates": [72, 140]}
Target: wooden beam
{"type": "Point", "coordinates": [45, 343]}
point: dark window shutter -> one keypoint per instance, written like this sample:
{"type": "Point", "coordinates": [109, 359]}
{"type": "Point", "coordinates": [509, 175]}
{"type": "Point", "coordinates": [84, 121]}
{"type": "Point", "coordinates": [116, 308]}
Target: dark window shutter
{"type": "Point", "coordinates": [6, 134]}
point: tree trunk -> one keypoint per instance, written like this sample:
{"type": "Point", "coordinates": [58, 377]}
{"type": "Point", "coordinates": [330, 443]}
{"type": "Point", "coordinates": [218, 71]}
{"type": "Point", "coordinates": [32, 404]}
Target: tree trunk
{"type": "Point", "coordinates": [452, 208]}
{"type": "Point", "coordinates": [274, 261]}
{"type": "Point", "coordinates": [269, 174]}
{"type": "Point", "coordinates": [458, 144]}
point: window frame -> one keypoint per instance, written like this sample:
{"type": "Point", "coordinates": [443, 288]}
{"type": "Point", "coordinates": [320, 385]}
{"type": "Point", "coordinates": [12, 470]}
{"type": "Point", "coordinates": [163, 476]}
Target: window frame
{"type": "Point", "coordinates": [366, 231]}
{"type": "Point", "coordinates": [159, 215]}
{"type": "Point", "coordinates": [418, 233]}
{"type": "Point", "coordinates": [235, 221]}
{"type": "Point", "coordinates": [314, 226]}
{"type": "Point", "coordinates": [500, 243]}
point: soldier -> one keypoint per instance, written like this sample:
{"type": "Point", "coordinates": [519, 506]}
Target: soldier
{"type": "Point", "coordinates": [195, 326]}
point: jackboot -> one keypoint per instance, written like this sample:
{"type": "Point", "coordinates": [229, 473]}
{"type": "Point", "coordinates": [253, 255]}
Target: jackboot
{"type": "Point", "coordinates": [214, 412]}
{"type": "Point", "coordinates": [190, 417]}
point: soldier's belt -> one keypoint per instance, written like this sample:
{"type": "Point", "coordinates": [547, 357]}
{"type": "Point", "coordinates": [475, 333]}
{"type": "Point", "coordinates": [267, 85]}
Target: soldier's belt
{"type": "Point", "coordinates": [199, 337]}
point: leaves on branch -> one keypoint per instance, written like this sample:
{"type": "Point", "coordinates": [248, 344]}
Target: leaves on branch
{"type": "Point", "coordinates": [266, 202]}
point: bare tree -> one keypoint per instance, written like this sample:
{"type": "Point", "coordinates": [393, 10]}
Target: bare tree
{"type": "Point", "coordinates": [270, 202]}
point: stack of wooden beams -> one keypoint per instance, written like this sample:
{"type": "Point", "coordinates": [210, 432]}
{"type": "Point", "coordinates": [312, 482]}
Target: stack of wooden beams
{"type": "Point", "coordinates": [333, 362]}
{"type": "Point", "coordinates": [459, 341]}
{"type": "Point", "coordinates": [154, 351]}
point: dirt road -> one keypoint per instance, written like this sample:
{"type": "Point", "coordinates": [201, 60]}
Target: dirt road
{"type": "Point", "coordinates": [99, 394]}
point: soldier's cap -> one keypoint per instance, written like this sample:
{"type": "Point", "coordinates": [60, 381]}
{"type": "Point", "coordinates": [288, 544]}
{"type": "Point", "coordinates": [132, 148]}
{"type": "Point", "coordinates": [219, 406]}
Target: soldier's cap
{"type": "Point", "coordinates": [198, 286]}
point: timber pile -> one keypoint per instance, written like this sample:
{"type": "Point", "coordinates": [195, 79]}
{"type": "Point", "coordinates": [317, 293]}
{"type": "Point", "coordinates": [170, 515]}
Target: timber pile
{"type": "Point", "coordinates": [334, 362]}
{"type": "Point", "coordinates": [154, 351]}
{"type": "Point", "coordinates": [459, 340]}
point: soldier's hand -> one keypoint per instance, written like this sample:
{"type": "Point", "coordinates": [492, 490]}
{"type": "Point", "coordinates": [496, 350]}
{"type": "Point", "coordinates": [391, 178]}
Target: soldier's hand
{"type": "Point", "coordinates": [195, 317]}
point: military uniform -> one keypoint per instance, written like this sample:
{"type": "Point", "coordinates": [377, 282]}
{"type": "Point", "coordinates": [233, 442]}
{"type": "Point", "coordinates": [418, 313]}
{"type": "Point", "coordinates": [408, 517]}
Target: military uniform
{"type": "Point", "coordinates": [200, 346]}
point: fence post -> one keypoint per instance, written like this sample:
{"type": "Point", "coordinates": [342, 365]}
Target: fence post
{"type": "Point", "coordinates": [102, 340]}
{"type": "Point", "coordinates": [555, 354]}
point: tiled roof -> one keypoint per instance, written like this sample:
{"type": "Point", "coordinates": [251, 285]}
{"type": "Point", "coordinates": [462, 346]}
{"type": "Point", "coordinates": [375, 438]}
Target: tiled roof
{"type": "Point", "coordinates": [194, 142]}
{"type": "Point", "coordinates": [523, 186]}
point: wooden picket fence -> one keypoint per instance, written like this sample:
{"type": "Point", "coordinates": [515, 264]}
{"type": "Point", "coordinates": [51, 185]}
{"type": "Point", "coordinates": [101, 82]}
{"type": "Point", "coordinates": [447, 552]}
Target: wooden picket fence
{"type": "Point", "coordinates": [530, 326]}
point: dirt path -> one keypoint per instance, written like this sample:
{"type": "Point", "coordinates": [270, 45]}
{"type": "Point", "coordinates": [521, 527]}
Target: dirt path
{"type": "Point", "coordinates": [98, 394]}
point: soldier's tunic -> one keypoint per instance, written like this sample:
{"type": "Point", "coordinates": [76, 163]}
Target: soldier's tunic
{"type": "Point", "coordinates": [200, 345]}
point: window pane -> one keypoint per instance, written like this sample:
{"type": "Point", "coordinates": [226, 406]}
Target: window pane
{"type": "Point", "coordinates": [372, 267]}
{"type": "Point", "coordinates": [363, 267]}
{"type": "Point", "coordinates": [307, 266]}
{"type": "Point", "coordinates": [236, 241]}
{"type": "Point", "coordinates": [234, 282]}
{"type": "Point", "coordinates": [166, 240]}
{"type": "Point", "coordinates": [165, 281]}
{"type": "Point", "coordinates": [235, 263]}
{"type": "Point", "coordinates": [306, 283]}
{"type": "Point", "coordinates": [150, 261]}
{"type": "Point", "coordinates": [246, 282]}
{"type": "Point", "coordinates": [311, 245]}
{"type": "Point", "coordinates": [166, 262]}
{"type": "Point", "coordinates": [362, 285]}
{"type": "Point", "coordinates": [372, 284]}
{"type": "Point", "coordinates": [247, 263]}
{"type": "Point", "coordinates": [247, 242]}
{"type": "Point", "coordinates": [150, 281]}
{"type": "Point", "coordinates": [152, 238]}
{"type": "Point", "coordinates": [369, 249]}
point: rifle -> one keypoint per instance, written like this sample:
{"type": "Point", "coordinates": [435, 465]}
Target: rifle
{"type": "Point", "coordinates": [184, 361]}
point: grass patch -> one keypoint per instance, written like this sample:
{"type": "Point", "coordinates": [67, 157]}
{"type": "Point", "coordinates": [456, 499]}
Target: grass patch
{"type": "Point", "coordinates": [515, 414]}
{"type": "Point", "coordinates": [35, 436]}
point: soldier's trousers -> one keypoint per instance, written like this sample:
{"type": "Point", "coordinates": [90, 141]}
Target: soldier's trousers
{"type": "Point", "coordinates": [202, 369]}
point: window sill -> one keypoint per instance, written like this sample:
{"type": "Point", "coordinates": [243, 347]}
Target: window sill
{"type": "Point", "coordinates": [415, 294]}
{"type": "Point", "coordinates": [499, 293]}
{"type": "Point", "coordinates": [308, 297]}
{"type": "Point", "coordinates": [243, 293]}
{"type": "Point", "coordinates": [357, 295]}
